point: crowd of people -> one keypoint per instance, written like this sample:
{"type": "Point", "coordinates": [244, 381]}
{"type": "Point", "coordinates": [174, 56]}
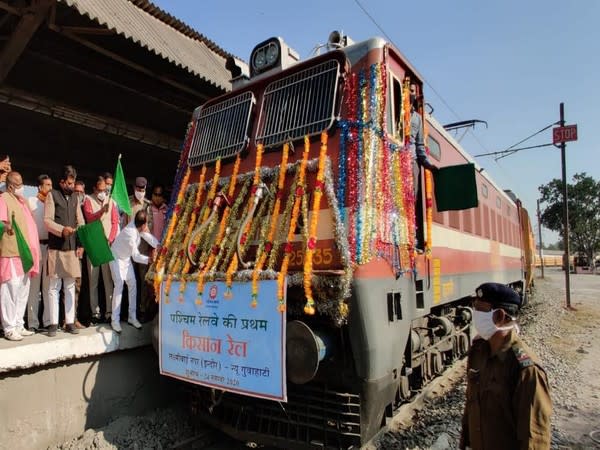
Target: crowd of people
{"type": "Point", "coordinates": [47, 282]}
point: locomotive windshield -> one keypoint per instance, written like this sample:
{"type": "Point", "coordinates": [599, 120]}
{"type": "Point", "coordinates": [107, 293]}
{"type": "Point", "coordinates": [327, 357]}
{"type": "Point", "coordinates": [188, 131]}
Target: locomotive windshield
{"type": "Point", "coordinates": [302, 104]}
{"type": "Point", "coordinates": [222, 129]}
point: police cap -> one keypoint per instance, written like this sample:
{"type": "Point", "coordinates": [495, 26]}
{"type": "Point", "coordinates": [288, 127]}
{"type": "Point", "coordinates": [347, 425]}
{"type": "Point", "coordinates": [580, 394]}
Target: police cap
{"type": "Point", "coordinates": [141, 182]}
{"type": "Point", "coordinates": [500, 296]}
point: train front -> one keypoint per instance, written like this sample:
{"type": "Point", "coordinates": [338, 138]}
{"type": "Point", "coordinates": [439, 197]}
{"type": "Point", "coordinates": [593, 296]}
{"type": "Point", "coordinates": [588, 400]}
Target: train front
{"type": "Point", "coordinates": [257, 270]}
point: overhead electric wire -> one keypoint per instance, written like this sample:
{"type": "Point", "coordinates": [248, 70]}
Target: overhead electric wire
{"type": "Point", "coordinates": [511, 151]}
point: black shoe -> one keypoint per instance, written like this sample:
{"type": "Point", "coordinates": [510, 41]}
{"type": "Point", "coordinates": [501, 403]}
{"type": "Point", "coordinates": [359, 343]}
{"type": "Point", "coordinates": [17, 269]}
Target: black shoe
{"type": "Point", "coordinates": [71, 328]}
{"type": "Point", "coordinates": [52, 330]}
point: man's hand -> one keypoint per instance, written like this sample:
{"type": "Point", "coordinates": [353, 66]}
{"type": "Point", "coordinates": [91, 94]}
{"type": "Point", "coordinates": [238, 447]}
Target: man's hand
{"type": "Point", "coordinates": [68, 231]}
{"type": "Point", "coordinates": [105, 208]}
{"type": "Point", "coordinates": [79, 252]}
{"type": "Point", "coordinates": [8, 229]}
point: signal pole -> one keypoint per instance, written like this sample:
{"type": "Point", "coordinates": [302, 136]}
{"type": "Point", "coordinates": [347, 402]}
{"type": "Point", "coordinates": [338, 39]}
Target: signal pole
{"type": "Point", "coordinates": [540, 234]}
{"type": "Point", "coordinates": [563, 147]}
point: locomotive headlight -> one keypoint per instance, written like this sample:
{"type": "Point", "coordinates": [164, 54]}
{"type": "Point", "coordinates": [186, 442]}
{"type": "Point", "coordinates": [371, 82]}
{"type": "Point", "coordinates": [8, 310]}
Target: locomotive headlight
{"type": "Point", "coordinates": [259, 60]}
{"type": "Point", "coordinates": [272, 53]}
{"type": "Point", "coordinates": [265, 56]}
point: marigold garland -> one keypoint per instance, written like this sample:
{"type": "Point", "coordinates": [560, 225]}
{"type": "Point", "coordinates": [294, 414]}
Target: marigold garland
{"type": "Point", "coordinates": [267, 244]}
{"type": "Point", "coordinates": [299, 192]}
{"type": "Point", "coordinates": [161, 262]}
{"type": "Point", "coordinates": [311, 244]}
{"type": "Point", "coordinates": [234, 262]}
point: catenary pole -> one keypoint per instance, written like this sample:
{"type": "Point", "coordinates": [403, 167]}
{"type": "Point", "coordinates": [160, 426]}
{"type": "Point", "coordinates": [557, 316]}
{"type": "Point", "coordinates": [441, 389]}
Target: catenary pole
{"type": "Point", "coordinates": [540, 235]}
{"type": "Point", "coordinates": [563, 147]}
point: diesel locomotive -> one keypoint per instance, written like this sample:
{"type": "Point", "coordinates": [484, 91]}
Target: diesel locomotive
{"type": "Point", "coordinates": [295, 212]}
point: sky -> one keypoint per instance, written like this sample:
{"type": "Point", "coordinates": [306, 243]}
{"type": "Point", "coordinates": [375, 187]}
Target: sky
{"type": "Point", "coordinates": [510, 63]}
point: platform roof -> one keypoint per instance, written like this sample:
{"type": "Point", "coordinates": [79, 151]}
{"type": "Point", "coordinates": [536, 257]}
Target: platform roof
{"type": "Point", "coordinates": [84, 80]}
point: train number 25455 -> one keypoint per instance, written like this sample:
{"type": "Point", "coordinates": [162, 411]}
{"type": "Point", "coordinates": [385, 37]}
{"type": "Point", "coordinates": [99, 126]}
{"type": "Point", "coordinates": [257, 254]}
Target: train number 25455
{"type": "Point", "coordinates": [321, 256]}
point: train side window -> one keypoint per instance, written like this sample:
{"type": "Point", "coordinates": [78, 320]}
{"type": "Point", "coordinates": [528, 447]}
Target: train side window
{"type": "Point", "coordinates": [500, 233]}
{"type": "Point", "coordinates": [486, 221]}
{"type": "Point", "coordinates": [467, 220]}
{"type": "Point", "coordinates": [455, 219]}
{"type": "Point", "coordinates": [434, 148]}
{"type": "Point", "coordinates": [396, 107]}
{"type": "Point", "coordinates": [484, 190]}
{"type": "Point", "coordinates": [498, 203]}
{"type": "Point", "coordinates": [478, 230]}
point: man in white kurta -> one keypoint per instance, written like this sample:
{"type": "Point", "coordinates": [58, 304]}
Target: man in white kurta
{"type": "Point", "coordinates": [124, 249]}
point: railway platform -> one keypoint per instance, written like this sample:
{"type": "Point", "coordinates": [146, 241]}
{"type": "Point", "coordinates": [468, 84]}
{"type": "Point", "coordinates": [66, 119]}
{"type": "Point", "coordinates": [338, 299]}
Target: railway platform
{"type": "Point", "coordinates": [55, 388]}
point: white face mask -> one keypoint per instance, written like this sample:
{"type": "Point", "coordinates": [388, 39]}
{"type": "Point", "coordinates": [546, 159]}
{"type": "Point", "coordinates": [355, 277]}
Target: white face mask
{"type": "Point", "coordinates": [101, 196]}
{"type": "Point", "coordinates": [19, 192]}
{"type": "Point", "coordinates": [484, 324]}
{"type": "Point", "coordinates": [140, 195]}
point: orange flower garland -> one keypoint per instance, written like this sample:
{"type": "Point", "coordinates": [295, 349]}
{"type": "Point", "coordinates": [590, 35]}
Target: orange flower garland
{"type": "Point", "coordinates": [272, 227]}
{"type": "Point", "coordinates": [162, 256]}
{"type": "Point", "coordinates": [428, 196]}
{"type": "Point", "coordinates": [216, 249]}
{"type": "Point", "coordinates": [234, 261]}
{"type": "Point", "coordinates": [311, 244]}
{"type": "Point", "coordinates": [292, 228]}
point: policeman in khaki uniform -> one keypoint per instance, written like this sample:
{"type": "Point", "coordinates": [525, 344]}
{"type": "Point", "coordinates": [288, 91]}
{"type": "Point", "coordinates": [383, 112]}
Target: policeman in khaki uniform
{"type": "Point", "coordinates": [508, 402]}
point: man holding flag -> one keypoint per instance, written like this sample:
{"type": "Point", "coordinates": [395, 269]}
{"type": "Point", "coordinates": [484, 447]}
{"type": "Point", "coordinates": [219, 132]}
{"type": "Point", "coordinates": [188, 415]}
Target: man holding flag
{"type": "Point", "coordinates": [19, 257]}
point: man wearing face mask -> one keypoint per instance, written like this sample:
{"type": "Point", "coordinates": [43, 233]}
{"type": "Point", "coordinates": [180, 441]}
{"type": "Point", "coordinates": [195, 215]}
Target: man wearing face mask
{"type": "Point", "coordinates": [508, 402]}
{"type": "Point", "coordinates": [14, 280]}
{"type": "Point", "coordinates": [62, 216]}
{"type": "Point", "coordinates": [139, 202]}
{"type": "Point", "coordinates": [99, 206]}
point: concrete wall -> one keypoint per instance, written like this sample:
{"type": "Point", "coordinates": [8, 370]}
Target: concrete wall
{"type": "Point", "coordinates": [51, 404]}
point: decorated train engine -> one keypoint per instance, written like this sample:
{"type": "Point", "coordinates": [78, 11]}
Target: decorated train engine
{"type": "Point", "coordinates": [306, 289]}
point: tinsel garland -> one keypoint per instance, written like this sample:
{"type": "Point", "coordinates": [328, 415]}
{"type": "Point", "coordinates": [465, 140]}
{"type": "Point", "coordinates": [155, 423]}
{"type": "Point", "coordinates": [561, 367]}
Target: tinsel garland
{"type": "Point", "coordinates": [311, 243]}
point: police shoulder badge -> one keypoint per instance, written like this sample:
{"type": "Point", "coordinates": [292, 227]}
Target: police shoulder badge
{"type": "Point", "coordinates": [522, 358]}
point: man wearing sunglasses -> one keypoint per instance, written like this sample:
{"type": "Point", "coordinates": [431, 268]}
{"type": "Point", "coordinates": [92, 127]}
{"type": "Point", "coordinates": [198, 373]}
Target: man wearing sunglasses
{"type": "Point", "coordinates": [508, 402]}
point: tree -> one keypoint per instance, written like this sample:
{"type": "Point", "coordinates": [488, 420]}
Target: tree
{"type": "Point", "coordinates": [584, 212]}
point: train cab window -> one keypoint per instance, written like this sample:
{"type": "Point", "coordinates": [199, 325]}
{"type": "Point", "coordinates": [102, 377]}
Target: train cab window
{"type": "Point", "coordinates": [435, 151]}
{"type": "Point", "coordinates": [484, 190]}
{"type": "Point", "coordinates": [395, 108]}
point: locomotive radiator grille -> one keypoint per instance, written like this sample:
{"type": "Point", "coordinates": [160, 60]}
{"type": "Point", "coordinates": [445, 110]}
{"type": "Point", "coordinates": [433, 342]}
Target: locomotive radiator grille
{"type": "Point", "coordinates": [312, 416]}
{"type": "Point", "coordinates": [222, 129]}
{"type": "Point", "coordinates": [302, 104]}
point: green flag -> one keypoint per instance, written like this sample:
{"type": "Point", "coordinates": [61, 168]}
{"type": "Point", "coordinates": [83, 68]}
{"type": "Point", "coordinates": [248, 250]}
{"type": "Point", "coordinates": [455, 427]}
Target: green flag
{"type": "Point", "coordinates": [119, 190]}
{"type": "Point", "coordinates": [455, 187]}
{"type": "Point", "coordinates": [94, 242]}
{"type": "Point", "coordinates": [24, 250]}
